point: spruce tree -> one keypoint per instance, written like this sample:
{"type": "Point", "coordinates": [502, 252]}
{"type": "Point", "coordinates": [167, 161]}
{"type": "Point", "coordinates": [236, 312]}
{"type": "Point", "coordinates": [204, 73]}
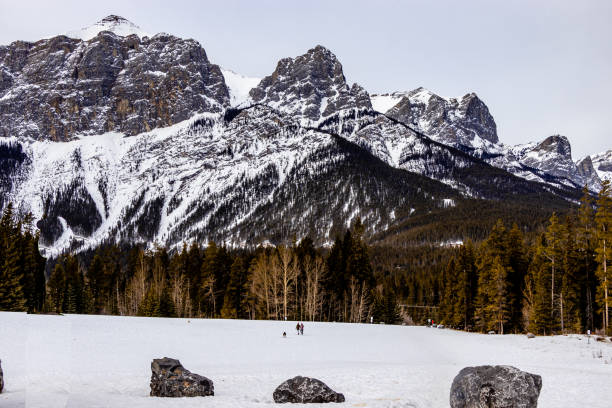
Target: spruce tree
{"type": "Point", "coordinates": [555, 236]}
{"type": "Point", "coordinates": [585, 245]}
{"type": "Point", "coordinates": [603, 219]}
{"type": "Point", "coordinates": [11, 291]}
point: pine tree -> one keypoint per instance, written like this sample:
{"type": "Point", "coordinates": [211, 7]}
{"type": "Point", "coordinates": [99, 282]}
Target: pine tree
{"type": "Point", "coordinates": [11, 291]}
{"type": "Point", "coordinates": [467, 287]}
{"type": "Point", "coordinates": [555, 236]}
{"type": "Point", "coordinates": [235, 293]}
{"type": "Point", "coordinates": [603, 218]}
{"type": "Point", "coordinates": [539, 278]}
{"type": "Point", "coordinates": [499, 307]}
{"type": "Point", "coordinates": [56, 287]}
{"type": "Point", "coordinates": [585, 244]}
{"type": "Point", "coordinates": [517, 267]}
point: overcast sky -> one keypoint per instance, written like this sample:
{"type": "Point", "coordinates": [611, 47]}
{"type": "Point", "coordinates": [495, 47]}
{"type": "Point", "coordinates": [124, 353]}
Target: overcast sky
{"type": "Point", "coordinates": [542, 67]}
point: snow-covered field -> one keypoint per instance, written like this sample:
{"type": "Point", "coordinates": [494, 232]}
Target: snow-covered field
{"type": "Point", "coordinates": [102, 361]}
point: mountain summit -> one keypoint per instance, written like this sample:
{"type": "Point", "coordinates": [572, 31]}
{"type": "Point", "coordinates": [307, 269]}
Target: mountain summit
{"type": "Point", "coordinates": [115, 24]}
{"type": "Point", "coordinates": [311, 86]}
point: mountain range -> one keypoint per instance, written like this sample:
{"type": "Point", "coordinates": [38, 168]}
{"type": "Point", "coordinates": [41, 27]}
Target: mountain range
{"type": "Point", "coordinates": [110, 134]}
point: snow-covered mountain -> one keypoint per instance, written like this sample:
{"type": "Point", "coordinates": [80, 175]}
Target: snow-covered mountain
{"type": "Point", "coordinates": [467, 124]}
{"type": "Point", "coordinates": [121, 137]}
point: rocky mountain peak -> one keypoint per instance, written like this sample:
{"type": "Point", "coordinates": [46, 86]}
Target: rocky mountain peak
{"type": "Point", "coordinates": [57, 88]}
{"type": "Point", "coordinates": [553, 155]}
{"type": "Point", "coordinates": [311, 86]}
{"type": "Point", "coordinates": [588, 173]}
{"type": "Point", "coordinates": [555, 144]}
{"type": "Point", "coordinates": [446, 120]}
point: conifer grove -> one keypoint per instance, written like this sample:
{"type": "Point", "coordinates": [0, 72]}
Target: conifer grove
{"type": "Point", "coordinates": [554, 279]}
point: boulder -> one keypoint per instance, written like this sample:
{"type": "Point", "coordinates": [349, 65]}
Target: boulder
{"type": "Point", "coordinates": [530, 336]}
{"type": "Point", "coordinates": [305, 390]}
{"type": "Point", "coordinates": [1, 378]}
{"type": "Point", "coordinates": [170, 379]}
{"type": "Point", "coordinates": [495, 387]}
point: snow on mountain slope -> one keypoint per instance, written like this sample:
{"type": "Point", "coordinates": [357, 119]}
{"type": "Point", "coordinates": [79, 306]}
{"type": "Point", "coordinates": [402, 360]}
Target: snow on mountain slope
{"type": "Point", "coordinates": [239, 182]}
{"type": "Point", "coordinates": [383, 102]}
{"type": "Point", "coordinates": [105, 361]}
{"type": "Point", "coordinates": [602, 163]}
{"type": "Point", "coordinates": [466, 124]}
{"type": "Point", "coordinates": [115, 24]}
{"type": "Point", "coordinates": [239, 87]}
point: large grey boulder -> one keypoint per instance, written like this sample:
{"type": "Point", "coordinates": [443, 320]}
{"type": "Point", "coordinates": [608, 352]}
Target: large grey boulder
{"type": "Point", "coordinates": [305, 390]}
{"type": "Point", "coordinates": [495, 387]}
{"type": "Point", "coordinates": [1, 377]}
{"type": "Point", "coordinates": [170, 379]}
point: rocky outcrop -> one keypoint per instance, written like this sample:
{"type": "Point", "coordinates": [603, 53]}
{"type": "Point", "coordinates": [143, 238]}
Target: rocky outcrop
{"type": "Point", "coordinates": [170, 379]}
{"type": "Point", "coordinates": [60, 87]}
{"type": "Point", "coordinates": [495, 387]}
{"type": "Point", "coordinates": [553, 156]}
{"type": "Point", "coordinates": [305, 390]}
{"type": "Point", "coordinates": [588, 173]}
{"type": "Point", "coordinates": [447, 120]}
{"type": "Point", "coordinates": [311, 86]}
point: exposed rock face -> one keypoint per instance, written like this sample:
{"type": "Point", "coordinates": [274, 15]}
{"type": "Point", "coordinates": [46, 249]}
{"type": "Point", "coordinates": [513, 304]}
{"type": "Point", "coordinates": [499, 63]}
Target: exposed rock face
{"type": "Point", "coordinates": [60, 87]}
{"type": "Point", "coordinates": [449, 121]}
{"type": "Point", "coordinates": [553, 155]}
{"type": "Point", "coordinates": [170, 379]}
{"type": "Point", "coordinates": [305, 390]}
{"type": "Point", "coordinates": [1, 378]}
{"type": "Point", "coordinates": [495, 387]}
{"type": "Point", "coordinates": [588, 173]}
{"type": "Point", "coordinates": [310, 86]}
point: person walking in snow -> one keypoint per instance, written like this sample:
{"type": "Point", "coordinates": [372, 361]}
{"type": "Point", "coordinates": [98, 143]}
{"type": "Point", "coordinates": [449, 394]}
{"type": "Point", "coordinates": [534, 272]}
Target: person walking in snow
{"type": "Point", "coordinates": [302, 329]}
{"type": "Point", "coordinates": [297, 328]}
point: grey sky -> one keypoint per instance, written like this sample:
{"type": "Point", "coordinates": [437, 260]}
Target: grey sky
{"type": "Point", "coordinates": [542, 67]}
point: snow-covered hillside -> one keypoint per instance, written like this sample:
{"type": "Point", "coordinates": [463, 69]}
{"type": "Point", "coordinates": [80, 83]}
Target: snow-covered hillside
{"type": "Point", "coordinates": [103, 361]}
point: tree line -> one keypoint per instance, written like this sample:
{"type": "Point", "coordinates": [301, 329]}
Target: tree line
{"type": "Point", "coordinates": [22, 279]}
{"type": "Point", "coordinates": [550, 280]}
{"type": "Point", "coordinates": [294, 282]}
{"type": "Point", "coordinates": [555, 282]}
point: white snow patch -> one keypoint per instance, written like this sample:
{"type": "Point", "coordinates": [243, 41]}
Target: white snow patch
{"type": "Point", "coordinates": [239, 86]}
{"type": "Point", "coordinates": [115, 24]}
{"type": "Point", "coordinates": [382, 103]}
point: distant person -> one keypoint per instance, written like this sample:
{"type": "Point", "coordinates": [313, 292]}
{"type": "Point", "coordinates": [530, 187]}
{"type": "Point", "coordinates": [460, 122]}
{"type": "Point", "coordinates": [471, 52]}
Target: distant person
{"type": "Point", "coordinates": [297, 328]}
{"type": "Point", "coordinates": [302, 329]}
{"type": "Point", "coordinates": [284, 334]}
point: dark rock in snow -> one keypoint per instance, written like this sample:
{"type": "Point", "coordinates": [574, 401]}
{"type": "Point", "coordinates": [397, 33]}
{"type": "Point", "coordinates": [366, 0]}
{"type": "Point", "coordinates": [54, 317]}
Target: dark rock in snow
{"type": "Point", "coordinates": [170, 379]}
{"type": "Point", "coordinates": [495, 387]}
{"type": "Point", "coordinates": [1, 377]}
{"type": "Point", "coordinates": [530, 336]}
{"type": "Point", "coordinates": [305, 390]}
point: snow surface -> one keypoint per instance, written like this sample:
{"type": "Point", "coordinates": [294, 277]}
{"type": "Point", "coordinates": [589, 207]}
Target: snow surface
{"type": "Point", "coordinates": [115, 24]}
{"type": "Point", "coordinates": [239, 86]}
{"type": "Point", "coordinates": [382, 103]}
{"type": "Point", "coordinates": [104, 361]}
